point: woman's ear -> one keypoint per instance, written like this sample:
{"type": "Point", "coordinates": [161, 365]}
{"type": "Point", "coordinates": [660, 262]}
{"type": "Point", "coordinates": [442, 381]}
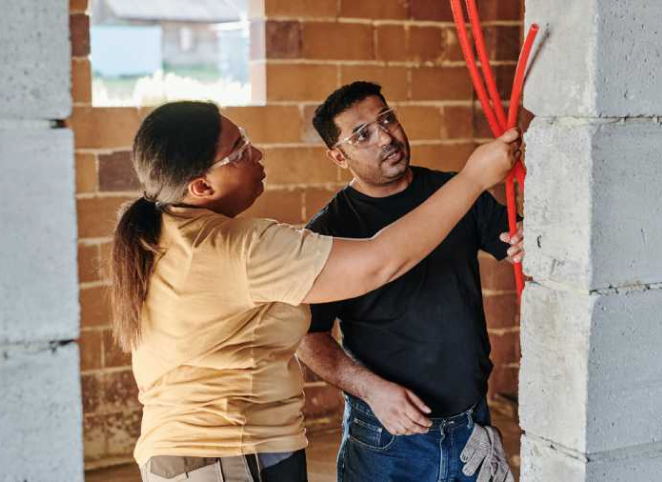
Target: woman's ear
{"type": "Point", "coordinates": [338, 157]}
{"type": "Point", "coordinates": [199, 188]}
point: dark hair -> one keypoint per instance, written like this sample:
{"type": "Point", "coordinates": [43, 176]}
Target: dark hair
{"type": "Point", "coordinates": [176, 143]}
{"type": "Point", "coordinates": [337, 103]}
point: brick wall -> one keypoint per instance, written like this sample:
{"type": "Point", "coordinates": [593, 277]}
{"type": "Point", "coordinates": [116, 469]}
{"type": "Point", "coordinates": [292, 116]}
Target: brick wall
{"type": "Point", "coordinates": [301, 50]}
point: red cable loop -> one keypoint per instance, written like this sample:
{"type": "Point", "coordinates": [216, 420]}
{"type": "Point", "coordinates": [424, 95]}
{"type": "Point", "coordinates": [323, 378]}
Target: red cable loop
{"type": "Point", "coordinates": [485, 64]}
{"type": "Point", "coordinates": [498, 123]}
{"type": "Point", "coordinates": [463, 37]}
{"type": "Point", "coordinates": [518, 172]}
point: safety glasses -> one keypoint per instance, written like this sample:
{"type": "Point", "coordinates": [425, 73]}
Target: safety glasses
{"type": "Point", "coordinates": [367, 134]}
{"type": "Point", "coordinates": [239, 155]}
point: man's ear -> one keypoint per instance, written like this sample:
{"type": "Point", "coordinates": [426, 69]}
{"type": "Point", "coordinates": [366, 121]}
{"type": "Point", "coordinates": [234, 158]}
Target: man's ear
{"type": "Point", "coordinates": [337, 156]}
{"type": "Point", "coordinates": [199, 188]}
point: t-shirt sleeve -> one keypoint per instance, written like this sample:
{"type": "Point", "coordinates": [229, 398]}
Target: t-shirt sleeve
{"type": "Point", "coordinates": [323, 316]}
{"type": "Point", "coordinates": [282, 262]}
{"type": "Point", "coordinates": [492, 220]}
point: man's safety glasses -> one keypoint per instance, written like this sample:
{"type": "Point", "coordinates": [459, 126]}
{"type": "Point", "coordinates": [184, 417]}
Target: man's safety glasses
{"type": "Point", "coordinates": [368, 134]}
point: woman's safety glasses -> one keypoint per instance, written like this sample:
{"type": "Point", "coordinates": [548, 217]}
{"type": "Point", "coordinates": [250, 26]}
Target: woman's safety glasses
{"type": "Point", "coordinates": [241, 154]}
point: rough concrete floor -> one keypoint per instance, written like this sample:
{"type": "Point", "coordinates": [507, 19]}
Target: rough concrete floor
{"type": "Point", "coordinates": [321, 454]}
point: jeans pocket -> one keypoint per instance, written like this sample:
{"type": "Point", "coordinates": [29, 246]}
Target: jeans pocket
{"type": "Point", "coordinates": [370, 434]}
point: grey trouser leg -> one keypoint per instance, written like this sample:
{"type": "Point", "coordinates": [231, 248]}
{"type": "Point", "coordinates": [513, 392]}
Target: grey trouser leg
{"type": "Point", "coordinates": [195, 469]}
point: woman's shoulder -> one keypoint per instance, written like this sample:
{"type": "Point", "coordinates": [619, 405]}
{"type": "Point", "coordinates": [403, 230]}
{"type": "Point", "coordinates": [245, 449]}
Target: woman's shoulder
{"type": "Point", "coordinates": [244, 231]}
{"type": "Point", "coordinates": [205, 228]}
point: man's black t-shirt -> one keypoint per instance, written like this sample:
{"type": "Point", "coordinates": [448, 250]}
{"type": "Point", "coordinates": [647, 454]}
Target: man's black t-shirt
{"type": "Point", "coordinates": [425, 330]}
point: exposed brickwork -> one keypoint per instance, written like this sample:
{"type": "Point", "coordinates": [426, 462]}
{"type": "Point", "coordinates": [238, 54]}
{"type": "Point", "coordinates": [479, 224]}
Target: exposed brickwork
{"type": "Point", "coordinates": [116, 172]}
{"type": "Point", "coordinates": [97, 215]}
{"type": "Point", "coordinates": [313, 83]}
{"type": "Point", "coordinates": [445, 157]}
{"type": "Point", "coordinates": [86, 172]}
{"type": "Point", "coordinates": [357, 41]}
{"type": "Point", "coordinates": [322, 400]}
{"type": "Point", "coordinates": [79, 24]}
{"type": "Point", "coordinates": [299, 165]}
{"type": "Point", "coordinates": [78, 6]}
{"type": "Point", "coordinates": [495, 275]}
{"type": "Point", "coordinates": [431, 10]}
{"type": "Point", "coordinates": [500, 9]}
{"type": "Point", "coordinates": [103, 128]}
{"type": "Point", "coordinates": [502, 43]}
{"type": "Point", "coordinates": [302, 50]}
{"type": "Point", "coordinates": [81, 81]}
{"type": "Point", "coordinates": [90, 350]}
{"type": "Point", "coordinates": [283, 39]}
{"type": "Point", "coordinates": [425, 44]}
{"type": "Point", "coordinates": [382, 10]}
{"type": "Point", "coordinates": [391, 42]}
{"type": "Point", "coordinates": [122, 430]}
{"type": "Point", "coordinates": [500, 310]}
{"type": "Point", "coordinates": [504, 379]}
{"type": "Point", "coordinates": [94, 307]}
{"type": "Point", "coordinates": [266, 125]}
{"type": "Point", "coordinates": [296, 8]}
{"type": "Point", "coordinates": [441, 83]}
{"type": "Point", "coordinates": [120, 391]}
{"type": "Point", "coordinates": [422, 121]}
{"type": "Point", "coordinates": [113, 357]}
{"type": "Point", "coordinates": [88, 259]}
{"type": "Point", "coordinates": [91, 387]}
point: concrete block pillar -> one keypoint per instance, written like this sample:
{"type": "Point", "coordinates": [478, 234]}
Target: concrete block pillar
{"type": "Point", "coordinates": [590, 390]}
{"type": "Point", "coordinates": [40, 397]}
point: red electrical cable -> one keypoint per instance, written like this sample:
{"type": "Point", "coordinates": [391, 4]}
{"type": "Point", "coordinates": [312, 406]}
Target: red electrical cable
{"type": "Point", "coordinates": [498, 123]}
{"type": "Point", "coordinates": [485, 64]}
{"type": "Point", "coordinates": [518, 85]}
{"type": "Point", "coordinates": [518, 172]}
{"type": "Point", "coordinates": [463, 37]}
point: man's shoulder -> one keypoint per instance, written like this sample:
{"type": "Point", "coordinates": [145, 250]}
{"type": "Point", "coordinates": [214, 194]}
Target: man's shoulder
{"type": "Point", "coordinates": [326, 219]}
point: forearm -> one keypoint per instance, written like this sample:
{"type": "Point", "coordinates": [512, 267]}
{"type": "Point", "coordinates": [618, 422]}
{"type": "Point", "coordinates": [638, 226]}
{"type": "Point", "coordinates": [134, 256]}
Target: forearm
{"type": "Point", "coordinates": [326, 358]}
{"type": "Point", "coordinates": [395, 249]}
{"type": "Point", "coordinates": [397, 408]}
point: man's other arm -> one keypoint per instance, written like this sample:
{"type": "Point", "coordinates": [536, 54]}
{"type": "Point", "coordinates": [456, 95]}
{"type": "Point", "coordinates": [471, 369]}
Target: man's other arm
{"type": "Point", "coordinates": [397, 408]}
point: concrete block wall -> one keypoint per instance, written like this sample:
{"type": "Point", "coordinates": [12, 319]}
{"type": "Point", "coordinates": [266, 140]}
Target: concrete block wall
{"type": "Point", "coordinates": [40, 400]}
{"type": "Point", "coordinates": [408, 47]}
{"type": "Point", "coordinates": [592, 325]}
{"type": "Point", "coordinates": [573, 213]}
{"type": "Point", "coordinates": [34, 61]}
{"type": "Point", "coordinates": [605, 65]}
{"type": "Point", "coordinates": [39, 238]}
{"type": "Point", "coordinates": [41, 413]}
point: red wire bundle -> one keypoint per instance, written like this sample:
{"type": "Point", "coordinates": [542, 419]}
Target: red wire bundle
{"type": "Point", "coordinates": [496, 116]}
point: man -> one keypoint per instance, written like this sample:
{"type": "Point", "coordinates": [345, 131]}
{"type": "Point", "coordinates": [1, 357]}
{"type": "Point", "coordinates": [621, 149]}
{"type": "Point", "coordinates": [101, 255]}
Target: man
{"type": "Point", "coordinates": [416, 352]}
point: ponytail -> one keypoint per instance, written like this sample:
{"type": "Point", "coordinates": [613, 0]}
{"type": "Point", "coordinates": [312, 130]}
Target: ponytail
{"type": "Point", "coordinates": [175, 143]}
{"type": "Point", "coordinates": [135, 248]}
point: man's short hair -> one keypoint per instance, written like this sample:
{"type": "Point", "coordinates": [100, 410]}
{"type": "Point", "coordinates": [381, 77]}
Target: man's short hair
{"type": "Point", "coordinates": [337, 103]}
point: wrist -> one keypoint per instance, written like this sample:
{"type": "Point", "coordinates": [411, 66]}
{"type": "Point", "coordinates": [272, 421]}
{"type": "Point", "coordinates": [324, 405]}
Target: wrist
{"type": "Point", "coordinates": [471, 182]}
{"type": "Point", "coordinates": [372, 388]}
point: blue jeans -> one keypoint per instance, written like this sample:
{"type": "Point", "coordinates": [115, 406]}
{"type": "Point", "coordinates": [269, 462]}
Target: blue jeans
{"type": "Point", "coordinates": [369, 453]}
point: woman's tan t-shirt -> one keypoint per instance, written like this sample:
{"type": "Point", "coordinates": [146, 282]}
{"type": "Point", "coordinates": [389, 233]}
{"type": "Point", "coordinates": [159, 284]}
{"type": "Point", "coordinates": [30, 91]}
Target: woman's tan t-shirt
{"type": "Point", "coordinates": [215, 368]}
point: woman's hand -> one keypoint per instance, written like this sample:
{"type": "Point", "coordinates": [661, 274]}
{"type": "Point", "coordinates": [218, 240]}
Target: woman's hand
{"type": "Point", "coordinates": [490, 163]}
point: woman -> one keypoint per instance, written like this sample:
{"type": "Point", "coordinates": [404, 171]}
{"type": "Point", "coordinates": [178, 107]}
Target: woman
{"type": "Point", "coordinates": [210, 304]}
